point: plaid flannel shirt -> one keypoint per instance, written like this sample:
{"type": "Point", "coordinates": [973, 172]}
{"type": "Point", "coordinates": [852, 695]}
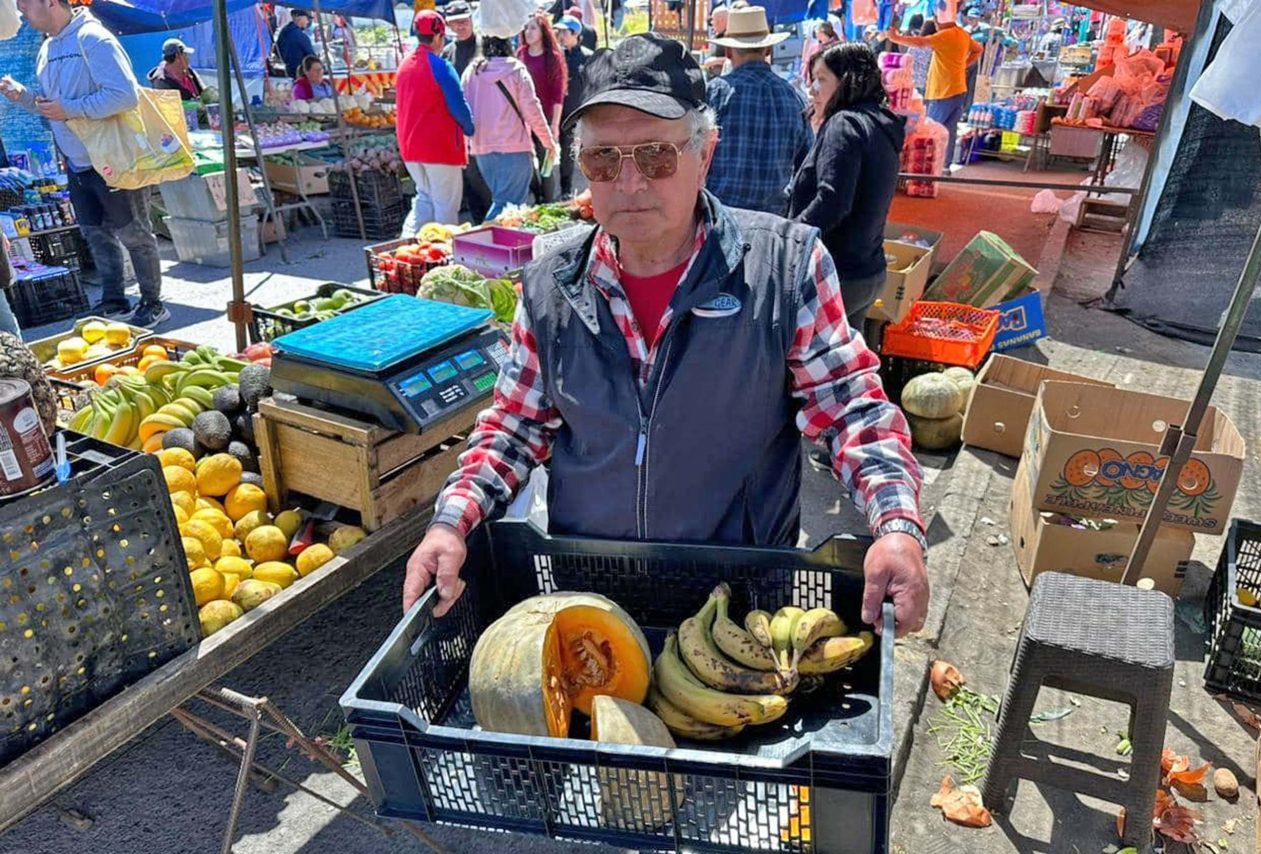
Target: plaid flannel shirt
{"type": "Point", "coordinates": [762, 138]}
{"type": "Point", "coordinates": [830, 368]}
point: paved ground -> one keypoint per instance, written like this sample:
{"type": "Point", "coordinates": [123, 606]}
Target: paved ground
{"type": "Point", "coordinates": [167, 792]}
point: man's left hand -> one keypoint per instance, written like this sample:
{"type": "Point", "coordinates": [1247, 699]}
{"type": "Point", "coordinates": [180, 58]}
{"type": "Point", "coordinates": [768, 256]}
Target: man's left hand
{"type": "Point", "coordinates": [894, 568]}
{"type": "Point", "coordinates": [51, 110]}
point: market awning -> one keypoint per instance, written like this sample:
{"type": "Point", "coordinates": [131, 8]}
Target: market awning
{"type": "Point", "coordinates": [1172, 14]}
{"type": "Point", "coordinates": [128, 17]}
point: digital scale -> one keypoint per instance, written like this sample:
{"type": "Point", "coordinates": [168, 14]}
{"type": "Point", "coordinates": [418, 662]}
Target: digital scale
{"type": "Point", "coordinates": [403, 361]}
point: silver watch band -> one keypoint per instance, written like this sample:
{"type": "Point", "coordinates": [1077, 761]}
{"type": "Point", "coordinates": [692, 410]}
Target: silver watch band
{"type": "Point", "coordinates": [903, 526]}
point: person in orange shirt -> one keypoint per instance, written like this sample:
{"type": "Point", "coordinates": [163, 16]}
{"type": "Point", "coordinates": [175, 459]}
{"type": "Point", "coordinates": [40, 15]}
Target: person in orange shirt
{"type": "Point", "coordinates": [954, 51]}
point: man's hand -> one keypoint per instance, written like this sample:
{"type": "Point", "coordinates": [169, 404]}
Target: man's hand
{"type": "Point", "coordinates": [894, 568]}
{"type": "Point", "coordinates": [51, 110]}
{"type": "Point", "coordinates": [440, 555]}
{"type": "Point", "coordinates": [11, 89]}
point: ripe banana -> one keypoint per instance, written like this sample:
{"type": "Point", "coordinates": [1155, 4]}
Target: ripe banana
{"type": "Point", "coordinates": [159, 371]}
{"type": "Point", "coordinates": [815, 624]}
{"type": "Point", "coordinates": [686, 726]}
{"type": "Point", "coordinates": [157, 423]}
{"type": "Point", "coordinates": [705, 659]}
{"type": "Point", "coordinates": [694, 698]}
{"type": "Point", "coordinates": [758, 624]}
{"type": "Point", "coordinates": [738, 644]}
{"type": "Point", "coordinates": [831, 654]}
{"type": "Point", "coordinates": [180, 413]}
{"type": "Point", "coordinates": [782, 625]}
{"type": "Point", "coordinates": [188, 403]}
{"type": "Point", "coordinates": [121, 425]}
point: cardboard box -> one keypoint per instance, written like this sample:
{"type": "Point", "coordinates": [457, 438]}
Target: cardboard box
{"type": "Point", "coordinates": [1002, 401]}
{"type": "Point", "coordinates": [913, 235]}
{"type": "Point", "coordinates": [904, 281]}
{"type": "Point", "coordinates": [986, 272]}
{"type": "Point", "coordinates": [1093, 452]}
{"type": "Point", "coordinates": [1022, 321]}
{"type": "Point", "coordinates": [1043, 546]}
{"type": "Point", "coordinates": [310, 175]}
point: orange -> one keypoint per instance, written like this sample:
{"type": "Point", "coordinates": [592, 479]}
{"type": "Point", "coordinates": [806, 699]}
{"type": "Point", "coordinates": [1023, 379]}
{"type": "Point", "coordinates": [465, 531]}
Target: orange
{"type": "Point", "coordinates": [157, 351]}
{"type": "Point", "coordinates": [103, 372]}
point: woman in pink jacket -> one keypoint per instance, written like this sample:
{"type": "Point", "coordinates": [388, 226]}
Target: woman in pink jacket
{"type": "Point", "coordinates": [506, 111]}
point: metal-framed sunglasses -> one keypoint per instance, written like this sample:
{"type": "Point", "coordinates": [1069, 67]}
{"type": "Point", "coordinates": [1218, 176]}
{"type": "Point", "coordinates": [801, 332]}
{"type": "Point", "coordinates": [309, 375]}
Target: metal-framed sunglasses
{"type": "Point", "coordinates": [654, 160]}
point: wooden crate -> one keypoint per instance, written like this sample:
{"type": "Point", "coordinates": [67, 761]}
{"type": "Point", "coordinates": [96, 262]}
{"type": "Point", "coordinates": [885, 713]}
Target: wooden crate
{"type": "Point", "coordinates": [1102, 215]}
{"type": "Point", "coordinates": [354, 463]}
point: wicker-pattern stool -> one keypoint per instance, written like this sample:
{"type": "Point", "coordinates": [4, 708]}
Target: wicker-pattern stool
{"type": "Point", "coordinates": [1102, 640]}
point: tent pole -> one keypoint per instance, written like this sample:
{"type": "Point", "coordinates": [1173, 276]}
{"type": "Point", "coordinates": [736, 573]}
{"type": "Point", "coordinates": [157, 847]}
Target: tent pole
{"type": "Point", "coordinates": [691, 25]}
{"type": "Point", "coordinates": [1180, 440]}
{"type": "Point", "coordinates": [238, 308]}
{"type": "Point", "coordinates": [341, 122]}
{"type": "Point", "coordinates": [277, 223]}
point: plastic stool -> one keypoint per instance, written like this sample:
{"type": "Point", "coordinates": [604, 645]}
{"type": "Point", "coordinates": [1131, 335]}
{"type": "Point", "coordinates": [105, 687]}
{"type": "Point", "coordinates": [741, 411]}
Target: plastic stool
{"type": "Point", "coordinates": [1102, 640]}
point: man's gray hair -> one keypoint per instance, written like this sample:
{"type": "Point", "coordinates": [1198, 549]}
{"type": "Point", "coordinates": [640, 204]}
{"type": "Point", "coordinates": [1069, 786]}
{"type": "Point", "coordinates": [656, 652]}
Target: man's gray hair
{"type": "Point", "coordinates": [702, 125]}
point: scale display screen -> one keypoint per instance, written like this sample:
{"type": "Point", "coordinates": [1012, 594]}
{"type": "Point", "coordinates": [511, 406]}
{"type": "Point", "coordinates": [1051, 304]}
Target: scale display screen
{"type": "Point", "coordinates": [469, 359]}
{"type": "Point", "coordinates": [485, 382]}
{"type": "Point", "coordinates": [442, 372]}
{"type": "Point", "coordinates": [416, 384]}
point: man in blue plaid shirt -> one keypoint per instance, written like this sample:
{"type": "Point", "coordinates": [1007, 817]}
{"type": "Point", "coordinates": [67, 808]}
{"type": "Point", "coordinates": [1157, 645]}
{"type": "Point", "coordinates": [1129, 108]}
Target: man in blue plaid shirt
{"type": "Point", "coordinates": [763, 130]}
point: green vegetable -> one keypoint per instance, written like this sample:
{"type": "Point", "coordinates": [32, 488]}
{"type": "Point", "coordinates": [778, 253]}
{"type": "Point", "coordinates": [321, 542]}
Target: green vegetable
{"type": "Point", "coordinates": [503, 299]}
{"type": "Point", "coordinates": [461, 286]}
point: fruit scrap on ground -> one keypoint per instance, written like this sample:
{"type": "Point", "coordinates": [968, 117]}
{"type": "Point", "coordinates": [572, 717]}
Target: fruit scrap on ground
{"type": "Point", "coordinates": [946, 680]}
{"type": "Point", "coordinates": [961, 805]}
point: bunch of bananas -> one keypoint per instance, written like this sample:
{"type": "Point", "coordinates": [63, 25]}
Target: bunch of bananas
{"type": "Point", "coordinates": [135, 411]}
{"type": "Point", "coordinates": [715, 677]}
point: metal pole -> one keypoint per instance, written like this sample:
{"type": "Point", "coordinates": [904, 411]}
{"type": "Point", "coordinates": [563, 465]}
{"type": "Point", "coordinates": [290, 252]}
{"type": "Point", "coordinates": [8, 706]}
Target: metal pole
{"type": "Point", "coordinates": [1180, 439]}
{"type": "Point", "coordinates": [258, 154]}
{"type": "Point", "coordinates": [341, 121]}
{"type": "Point", "coordinates": [237, 308]}
{"type": "Point", "coordinates": [691, 24]}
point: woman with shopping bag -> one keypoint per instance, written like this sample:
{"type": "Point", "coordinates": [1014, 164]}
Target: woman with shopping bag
{"type": "Point", "coordinates": [85, 77]}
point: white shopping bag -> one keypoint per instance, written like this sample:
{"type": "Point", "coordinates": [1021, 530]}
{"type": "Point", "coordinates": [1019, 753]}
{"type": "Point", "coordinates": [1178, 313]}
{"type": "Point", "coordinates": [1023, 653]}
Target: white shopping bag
{"type": "Point", "coordinates": [503, 18]}
{"type": "Point", "coordinates": [10, 22]}
{"type": "Point", "coordinates": [531, 501]}
{"type": "Point", "coordinates": [1226, 86]}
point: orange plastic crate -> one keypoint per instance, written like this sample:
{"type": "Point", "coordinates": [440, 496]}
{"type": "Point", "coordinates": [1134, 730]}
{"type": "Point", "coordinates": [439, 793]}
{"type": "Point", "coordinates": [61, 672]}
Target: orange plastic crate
{"type": "Point", "coordinates": [943, 332]}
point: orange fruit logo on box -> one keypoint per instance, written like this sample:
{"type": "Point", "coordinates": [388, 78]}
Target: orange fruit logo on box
{"type": "Point", "coordinates": [1104, 481]}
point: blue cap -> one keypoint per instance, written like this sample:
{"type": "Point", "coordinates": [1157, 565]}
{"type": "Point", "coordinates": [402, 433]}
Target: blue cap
{"type": "Point", "coordinates": [571, 23]}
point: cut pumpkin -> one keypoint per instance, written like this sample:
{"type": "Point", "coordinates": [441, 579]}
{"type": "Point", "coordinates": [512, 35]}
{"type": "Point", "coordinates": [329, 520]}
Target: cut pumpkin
{"type": "Point", "coordinates": [633, 800]}
{"type": "Point", "coordinates": [552, 654]}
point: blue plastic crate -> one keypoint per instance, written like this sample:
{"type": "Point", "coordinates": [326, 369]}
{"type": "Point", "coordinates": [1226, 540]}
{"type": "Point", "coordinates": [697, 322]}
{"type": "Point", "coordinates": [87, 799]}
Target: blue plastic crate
{"type": "Point", "coordinates": [816, 782]}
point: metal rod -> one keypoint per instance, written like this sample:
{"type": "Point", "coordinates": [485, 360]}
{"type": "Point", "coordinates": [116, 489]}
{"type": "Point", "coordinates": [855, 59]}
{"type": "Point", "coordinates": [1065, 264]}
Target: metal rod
{"type": "Point", "coordinates": [1185, 434]}
{"type": "Point", "coordinates": [1028, 185]}
{"type": "Point", "coordinates": [337, 105]}
{"type": "Point", "coordinates": [258, 151]}
{"type": "Point", "coordinates": [228, 132]}
{"type": "Point", "coordinates": [242, 783]}
{"type": "Point", "coordinates": [691, 25]}
{"type": "Point", "coordinates": [221, 741]}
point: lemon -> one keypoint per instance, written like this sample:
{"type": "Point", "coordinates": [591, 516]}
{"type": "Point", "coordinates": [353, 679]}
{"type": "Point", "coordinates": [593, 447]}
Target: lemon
{"type": "Point", "coordinates": [216, 520]}
{"type": "Point", "coordinates": [250, 521]}
{"type": "Point", "coordinates": [211, 539]}
{"type": "Point", "coordinates": [230, 548]}
{"type": "Point", "coordinates": [213, 616]}
{"type": "Point", "coordinates": [267, 543]}
{"type": "Point", "coordinates": [218, 474]}
{"type": "Point", "coordinates": [179, 479]}
{"type": "Point", "coordinates": [275, 572]}
{"type": "Point", "coordinates": [72, 350]}
{"type": "Point", "coordinates": [194, 552]}
{"type": "Point", "coordinates": [207, 585]}
{"type": "Point", "coordinates": [234, 566]}
{"type": "Point", "coordinates": [177, 457]}
{"type": "Point", "coordinates": [205, 502]}
{"type": "Point", "coordinates": [244, 498]}
{"type": "Point", "coordinates": [1246, 597]}
{"type": "Point", "coordinates": [93, 331]}
{"type": "Point", "coordinates": [184, 501]}
{"type": "Point", "coordinates": [312, 558]}
{"type": "Point", "coordinates": [230, 583]}
{"type": "Point", "coordinates": [180, 516]}
{"type": "Point", "coordinates": [289, 521]}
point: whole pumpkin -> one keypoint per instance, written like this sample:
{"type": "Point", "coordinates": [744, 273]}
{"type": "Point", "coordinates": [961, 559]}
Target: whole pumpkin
{"type": "Point", "coordinates": [552, 654]}
{"type": "Point", "coordinates": [932, 395]}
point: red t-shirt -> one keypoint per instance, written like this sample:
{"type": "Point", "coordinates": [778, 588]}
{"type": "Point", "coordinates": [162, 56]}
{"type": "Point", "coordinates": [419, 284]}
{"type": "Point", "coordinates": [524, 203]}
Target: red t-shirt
{"type": "Point", "coordinates": [649, 297]}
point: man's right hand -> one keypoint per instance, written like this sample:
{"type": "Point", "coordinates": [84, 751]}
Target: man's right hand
{"type": "Point", "coordinates": [12, 89]}
{"type": "Point", "coordinates": [440, 556]}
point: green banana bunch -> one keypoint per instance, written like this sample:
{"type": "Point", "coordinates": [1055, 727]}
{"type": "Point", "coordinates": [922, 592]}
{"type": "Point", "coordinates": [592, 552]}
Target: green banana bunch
{"type": "Point", "coordinates": [782, 626]}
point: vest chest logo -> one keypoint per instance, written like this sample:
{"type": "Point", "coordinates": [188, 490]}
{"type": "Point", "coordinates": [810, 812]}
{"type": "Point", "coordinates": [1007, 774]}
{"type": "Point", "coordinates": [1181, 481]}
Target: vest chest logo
{"type": "Point", "coordinates": [723, 305]}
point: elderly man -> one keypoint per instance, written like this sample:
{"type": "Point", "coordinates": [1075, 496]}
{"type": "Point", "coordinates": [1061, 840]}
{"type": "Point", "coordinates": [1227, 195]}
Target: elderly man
{"type": "Point", "coordinates": [174, 72]}
{"type": "Point", "coordinates": [293, 44]}
{"type": "Point", "coordinates": [463, 47]}
{"type": "Point", "coordinates": [666, 363]}
{"type": "Point", "coordinates": [765, 135]}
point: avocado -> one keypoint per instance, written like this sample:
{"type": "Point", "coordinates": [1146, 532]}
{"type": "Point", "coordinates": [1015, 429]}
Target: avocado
{"type": "Point", "coordinates": [181, 437]}
{"type": "Point", "coordinates": [254, 382]}
{"type": "Point", "coordinates": [244, 456]}
{"type": "Point", "coordinates": [345, 297]}
{"type": "Point", "coordinates": [212, 429]}
{"type": "Point", "coordinates": [252, 477]}
{"type": "Point", "coordinates": [228, 400]}
{"type": "Point", "coordinates": [243, 426]}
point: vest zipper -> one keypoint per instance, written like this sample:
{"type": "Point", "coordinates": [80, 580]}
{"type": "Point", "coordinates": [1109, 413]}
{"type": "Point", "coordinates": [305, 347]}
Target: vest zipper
{"type": "Point", "coordinates": [641, 449]}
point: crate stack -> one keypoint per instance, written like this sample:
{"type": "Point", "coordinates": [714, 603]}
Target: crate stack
{"type": "Point", "coordinates": [197, 219]}
{"type": "Point", "coordinates": [381, 200]}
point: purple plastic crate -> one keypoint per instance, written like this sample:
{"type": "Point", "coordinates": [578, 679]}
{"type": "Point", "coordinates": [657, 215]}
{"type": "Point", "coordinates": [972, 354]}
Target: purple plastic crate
{"type": "Point", "coordinates": [494, 251]}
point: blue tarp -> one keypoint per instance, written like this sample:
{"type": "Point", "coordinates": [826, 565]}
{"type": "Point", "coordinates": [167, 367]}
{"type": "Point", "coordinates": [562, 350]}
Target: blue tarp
{"type": "Point", "coordinates": [128, 17]}
{"type": "Point", "coordinates": [249, 34]}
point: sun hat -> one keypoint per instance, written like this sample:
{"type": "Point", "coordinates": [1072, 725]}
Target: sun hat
{"type": "Point", "coordinates": [747, 29]}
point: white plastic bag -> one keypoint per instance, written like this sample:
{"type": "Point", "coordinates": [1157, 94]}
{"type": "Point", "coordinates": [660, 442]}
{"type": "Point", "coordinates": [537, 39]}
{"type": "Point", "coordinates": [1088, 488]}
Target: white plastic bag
{"type": "Point", "coordinates": [531, 500]}
{"type": "Point", "coordinates": [1046, 202]}
{"type": "Point", "coordinates": [10, 22]}
{"type": "Point", "coordinates": [503, 19]}
{"type": "Point", "coordinates": [1228, 86]}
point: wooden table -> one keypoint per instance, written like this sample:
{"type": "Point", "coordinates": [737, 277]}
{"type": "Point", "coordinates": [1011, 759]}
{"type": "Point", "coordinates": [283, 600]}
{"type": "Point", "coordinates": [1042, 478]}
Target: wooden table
{"type": "Point", "coordinates": [46, 769]}
{"type": "Point", "coordinates": [1109, 148]}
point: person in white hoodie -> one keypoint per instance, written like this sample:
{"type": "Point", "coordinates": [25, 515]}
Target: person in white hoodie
{"type": "Point", "coordinates": [506, 112]}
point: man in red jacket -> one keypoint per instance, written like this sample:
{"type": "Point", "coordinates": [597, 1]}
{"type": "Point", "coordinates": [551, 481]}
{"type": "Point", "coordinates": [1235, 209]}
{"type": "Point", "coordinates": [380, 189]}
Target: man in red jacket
{"type": "Point", "coordinates": [433, 120]}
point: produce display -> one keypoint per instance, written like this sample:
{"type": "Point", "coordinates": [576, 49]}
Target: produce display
{"type": "Point", "coordinates": [382, 118]}
{"type": "Point", "coordinates": [461, 286]}
{"type": "Point", "coordinates": [546, 217]}
{"type": "Point", "coordinates": [317, 309]}
{"type": "Point", "coordinates": [282, 134]}
{"type": "Point", "coordinates": [95, 339]}
{"type": "Point", "coordinates": [935, 404]}
{"type": "Point", "coordinates": [551, 655]}
{"type": "Point", "coordinates": [374, 154]}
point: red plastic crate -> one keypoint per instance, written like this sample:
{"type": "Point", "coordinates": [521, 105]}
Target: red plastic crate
{"type": "Point", "coordinates": [943, 332]}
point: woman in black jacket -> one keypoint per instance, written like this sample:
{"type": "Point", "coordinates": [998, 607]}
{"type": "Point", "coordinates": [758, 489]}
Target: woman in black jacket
{"type": "Point", "coordinates": [846, 184]}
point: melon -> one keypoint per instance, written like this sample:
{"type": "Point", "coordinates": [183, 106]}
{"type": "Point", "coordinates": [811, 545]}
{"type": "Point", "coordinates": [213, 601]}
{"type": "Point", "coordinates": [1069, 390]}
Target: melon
{"type": "Point", "coordinates": [936, 434]}
{"type": "Point", "coordinates": [932, 396]}
{"type": "Point", "coordinates": [965, 380]}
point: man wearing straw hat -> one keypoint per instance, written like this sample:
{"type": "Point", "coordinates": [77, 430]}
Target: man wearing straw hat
{"type": "Point", "coordinates": [764, 134]}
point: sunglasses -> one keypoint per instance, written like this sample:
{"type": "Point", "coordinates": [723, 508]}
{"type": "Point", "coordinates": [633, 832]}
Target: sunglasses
{"type": "Point", "coordinates": [654, 160]}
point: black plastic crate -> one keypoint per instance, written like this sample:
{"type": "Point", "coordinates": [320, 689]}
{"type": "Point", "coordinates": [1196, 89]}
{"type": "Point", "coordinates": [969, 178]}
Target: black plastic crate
{"type": "Point", "coordinates": [60, 249]}
{"type": "Point", "coordinates": [96, 591]}
{"type": "Point", "coordinates": [51, 297]}
{"type": "Point", "coordinates": [816, 782]}
{"type": "Point", "coordinates": [376, 189]}
{"type": "Point", "coordinates": [378, 223]}
{"type": "Point", "coordinates": [267, 325]}
{"type": "Point", "coordinates": [1234, 624]}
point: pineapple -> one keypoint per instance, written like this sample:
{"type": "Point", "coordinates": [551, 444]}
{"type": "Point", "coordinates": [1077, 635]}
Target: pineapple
{"type": "Point", "coordinates": [19, 362]}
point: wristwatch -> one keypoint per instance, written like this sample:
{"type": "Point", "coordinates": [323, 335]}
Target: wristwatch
{"type": "Point", "coordinates": [903, 526]}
